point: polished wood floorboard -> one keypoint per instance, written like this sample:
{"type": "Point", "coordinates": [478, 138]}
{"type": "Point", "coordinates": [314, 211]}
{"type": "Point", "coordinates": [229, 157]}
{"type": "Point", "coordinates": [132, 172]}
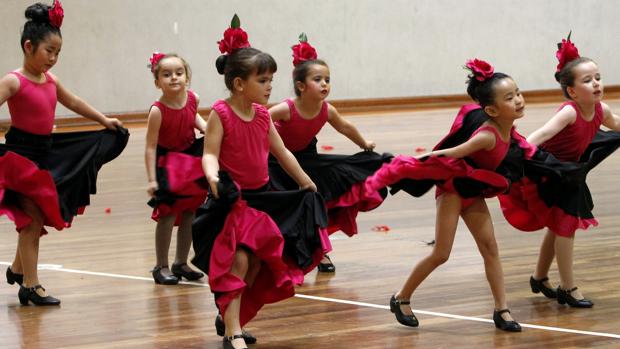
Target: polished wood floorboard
{"type": "Point", "coordinates": [100, 267]}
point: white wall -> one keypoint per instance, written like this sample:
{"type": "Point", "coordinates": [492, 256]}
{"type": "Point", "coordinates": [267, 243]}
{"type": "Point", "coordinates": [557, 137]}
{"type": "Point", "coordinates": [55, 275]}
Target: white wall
{"type": "Point", "coordinates": [374, 48]}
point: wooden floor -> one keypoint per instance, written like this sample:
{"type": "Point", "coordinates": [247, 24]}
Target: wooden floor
{"type": "Point", "coordinates": [100, 270]}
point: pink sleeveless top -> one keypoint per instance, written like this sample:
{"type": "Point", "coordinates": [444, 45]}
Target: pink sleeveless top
{"type": "Point", "coordinates": [570, 143]}
{"type": "Point", "coordinates": [298, 132]}
{"type": "Point", "coordinates": [490, 159]}
{"type": "Point", "coordinates": [177, 125]}
{"type": "Point", "coordinates": [33, 107]}
{"type": "Point", "coordinates": [245, 145]}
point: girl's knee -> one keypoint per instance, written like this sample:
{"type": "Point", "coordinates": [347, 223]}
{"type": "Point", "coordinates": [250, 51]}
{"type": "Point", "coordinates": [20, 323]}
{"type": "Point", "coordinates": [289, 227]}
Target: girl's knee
{"type": "Point", "coordinates": [440, 257]}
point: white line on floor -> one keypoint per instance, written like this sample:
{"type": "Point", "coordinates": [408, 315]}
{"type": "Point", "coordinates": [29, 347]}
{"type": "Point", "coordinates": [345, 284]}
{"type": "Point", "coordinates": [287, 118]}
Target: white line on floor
{"type": "Point", "coordinates": [341, 301]}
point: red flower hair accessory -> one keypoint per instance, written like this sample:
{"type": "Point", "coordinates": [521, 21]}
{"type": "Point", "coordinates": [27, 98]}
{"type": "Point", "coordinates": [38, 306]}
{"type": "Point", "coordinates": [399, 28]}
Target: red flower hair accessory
{"type": "Point", "coordinates": [566, 52]}
{"type": "Point", "coordinates": [481, 70]}
{"type": "Point", "coordinates": [56, 14]}
{"type": "Point", "coordinates": [155, 58]}
{"type": "Point", "coordinates": [234, 37]}
{"type": "Point", "coordinates": [303, 51]}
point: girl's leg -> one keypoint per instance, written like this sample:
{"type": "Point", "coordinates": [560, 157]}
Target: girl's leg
{"type": "Point", "coordinates": [27, 256]}
{"type": "Point", "coordinates": [184, 239]}
{"type": "Point", "coordinates": [478, 220]}
{"type": "Point", "coordinates": [448, 210]}
{"type": "Point", "coordinates": [163, 234]}
{"type": "Point", "coordinates": [545, 257]}
{"type": "Point", "coordinates": [240, 268]}
{"type": "Point", "coordinates": [564, 250]}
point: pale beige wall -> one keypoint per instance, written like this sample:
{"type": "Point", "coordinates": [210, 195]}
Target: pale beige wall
{"type": "Point", "coordinates": [375, 48]}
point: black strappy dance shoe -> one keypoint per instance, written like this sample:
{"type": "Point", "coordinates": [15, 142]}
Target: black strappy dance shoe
{"type": "Point", "coordinates": [162, 279]}
{"type": "Point", "coordinates": [12, 277]}
{"type": "Point", "coordinates": [565, 297]}
{"type": "Point", "coordinates": [27, 294]}
{"type": "Point", "coordinates": [505, 325]}
{"type": "Point", "coordinates": [228, 341]}
{"type": "Point", "coordinates": [327, 267]}
{"type": "Point", "coordinates": [407, 320]}
{"type": "Point", "coordinates": [539, 286]}
{"type": "Point", "coordinates": [220, 329]}
{"type": "Point", "coordinates": [178, 271]}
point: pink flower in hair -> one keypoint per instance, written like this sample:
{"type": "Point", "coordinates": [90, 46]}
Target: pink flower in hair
{"type": "Point", "coordinates": [234, 37]}
{"type": "Point", "coordinates": [303, 51]}
{"type": "Point", "coordinates": [567, 52]}
{"type": "Point", "coordinates": [155, 58]}
{"type": "Point", "coordinates": [481, 70]}
{"type": "Point", "coordinates": [56, 14]}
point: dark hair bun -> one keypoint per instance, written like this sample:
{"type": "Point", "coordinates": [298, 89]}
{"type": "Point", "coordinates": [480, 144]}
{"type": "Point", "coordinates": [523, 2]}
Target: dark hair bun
{"type": "Point", "coordinates": [473, 86]}
{"type": "Point", "coordinates": [220, 63]}
{"type": "Point", "coordinates": [38, 13]}
{"type": "Point", "coordinates": [557, 76]}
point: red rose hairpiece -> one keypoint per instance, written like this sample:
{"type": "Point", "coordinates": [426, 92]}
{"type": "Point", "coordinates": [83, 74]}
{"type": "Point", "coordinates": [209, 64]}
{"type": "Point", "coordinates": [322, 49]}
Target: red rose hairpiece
{"type": "Point", "coordinates": [303, 51]}
{"type": "Point", "coordinates": [566, 52]}
{"type": "Point", "coordinates": [480, 69]}
{"type": "Point", "coordinates": [234, 37]}
{"type": "Point", "coordinates": [56, 14]}
{"type": "Point", "coordinates": [155, 58]}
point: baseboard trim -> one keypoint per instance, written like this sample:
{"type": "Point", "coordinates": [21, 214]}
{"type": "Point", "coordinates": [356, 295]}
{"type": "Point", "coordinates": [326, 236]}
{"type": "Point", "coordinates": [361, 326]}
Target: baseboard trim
{"type": "Point", "coordinates": [347, 107]}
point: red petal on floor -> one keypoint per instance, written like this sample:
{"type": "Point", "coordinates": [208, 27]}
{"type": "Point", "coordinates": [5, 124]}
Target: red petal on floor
{"type": "Point", "coordinates": [420, 149]}
{"type": "Point", "coordinates": [381, 228]}
{"type": "Point", "coordinates": [327, 147]}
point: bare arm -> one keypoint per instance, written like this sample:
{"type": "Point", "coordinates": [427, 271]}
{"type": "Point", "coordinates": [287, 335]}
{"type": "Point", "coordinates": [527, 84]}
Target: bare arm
{"type": "Point", "coordinates": [150, 152]}
{"type": "Point", "coordinates": [482, 140]}
{"type": "Point", "coordinates": [348, 129]}
{"type": "Point", "coordinates": [211, 153]}
{"type": "Point", "coordinates": [9, 85]}
{"type": "Point", "coordinates": [199, 123]}
{"type": "Point", "coordinates": [566, 116]}
{"type": "Point", "coordinates": [287, 160]}
{"type": "Point", "coordinates": [79, 106]}
{"type": "Point", "coordinates": [279, 112]}
{"type": "Point", "coordinates": [610, 119]}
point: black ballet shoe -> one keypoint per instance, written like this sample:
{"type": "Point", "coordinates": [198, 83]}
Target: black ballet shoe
{"type": "Point", "coordinates": [12, 277]}
{"type": "Point", "coordinates": [327, 267]}
{"type": "Point", "coordinates": [565, 297]}
{"type": "Point", "coordinates": [26, 294]}
{"type": "Point", "coordinates": [505, 325]}
{"type": "Point", "coordinates": [228, 341]}
{"type": "Point", "coordinates": [538, 286]}
{"type": "Point", "coordinates": [162, 279]}
{"type": "Point", "coordinates": [407, 320]}
{"type": "Point", "coordinates": [220, 329]}
{"type": "Point", "coordinates": [178, 271]}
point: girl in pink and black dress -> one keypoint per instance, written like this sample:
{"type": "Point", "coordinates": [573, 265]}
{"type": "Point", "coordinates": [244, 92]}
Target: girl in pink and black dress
{"type": "Point", "coordinates": [339, 178]}
{"type": "Point", "coordinates": [255, 244]}
{"type": "Point", "coordinates": [171, 141]}
{"type": "Point", "coordinates": [46, 179]}
{"type": "Point", "coordinates": [463, 168]}
{"type": "Point", "coordinates": [571, 135]}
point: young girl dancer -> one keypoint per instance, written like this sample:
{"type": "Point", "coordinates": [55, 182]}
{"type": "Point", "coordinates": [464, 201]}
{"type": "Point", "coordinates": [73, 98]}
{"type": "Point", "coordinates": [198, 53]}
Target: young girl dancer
{"type": "Point", "coordinates": [255, 245]}
{"type": "Point", "coordinates": [464, 173]}
{"type": "Point", "coordinates": [339, 178]}
{"type": "Point", "coordinates": [171, 123]}
{"type": "Point", "coordinates": [45, 178]}
{"type": "Point", "coordinates": [570, 135]}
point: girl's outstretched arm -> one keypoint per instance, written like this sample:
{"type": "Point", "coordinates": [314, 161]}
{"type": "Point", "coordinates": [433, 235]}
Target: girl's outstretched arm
{"type": "Point", "coordinates": [150, 152]}
{"type": "Point", "coordinates": [287, 160]}
{"type": "Point", "coordinates": [566, 116]}
{"type": "Point", "coordinates": [610, 119]}
{"type": "Point", "coordinates": [347, 129]}
{"type": "Point", "coordinates": [211, 152]}
{"type": "Point", "coordinates": [482, 140]}
{"type": "Point", "coordinates": [79, 106]}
